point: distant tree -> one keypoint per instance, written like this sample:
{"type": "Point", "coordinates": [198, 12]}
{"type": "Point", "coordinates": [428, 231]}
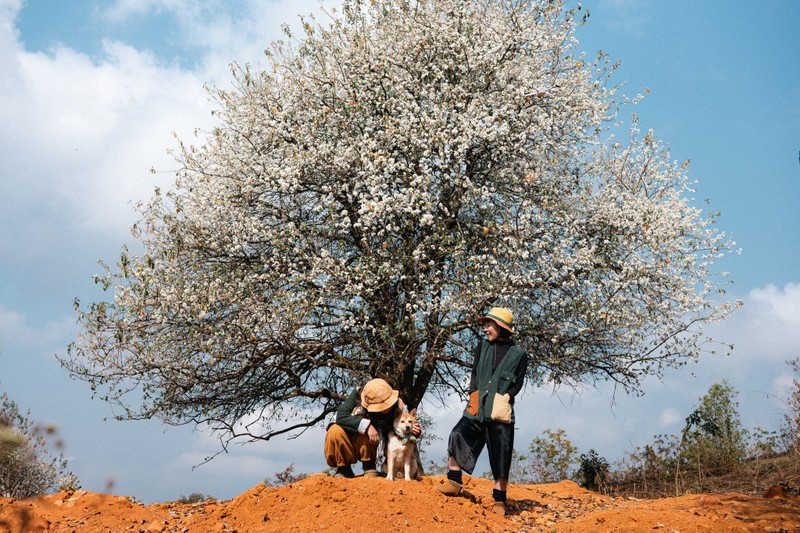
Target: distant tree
{"type": "Point", "coordinates": [27, 468]}
{"type": "Point", "coordinates": [552, 458]}
{"type": "Point", "coordinates": [713, 437]}
{"type": "Point", "coordinates": [389, 177]}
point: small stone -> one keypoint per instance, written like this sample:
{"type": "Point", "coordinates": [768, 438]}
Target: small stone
{"type": "Point", "coordinates": [156, 527]}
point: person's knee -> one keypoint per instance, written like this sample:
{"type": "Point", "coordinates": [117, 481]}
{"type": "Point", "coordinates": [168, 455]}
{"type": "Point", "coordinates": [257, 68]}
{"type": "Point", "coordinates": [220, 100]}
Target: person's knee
{"type": "Point", "coordinates": [338, 448]}
{"type": "Point", "coordinates": [365, 449]}
{"type": "Point", "coordinates": [335, 432]}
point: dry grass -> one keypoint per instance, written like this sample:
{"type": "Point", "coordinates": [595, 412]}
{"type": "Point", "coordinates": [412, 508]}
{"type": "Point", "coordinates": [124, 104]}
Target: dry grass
{"type": "Point", "coordinates": [753, 477]}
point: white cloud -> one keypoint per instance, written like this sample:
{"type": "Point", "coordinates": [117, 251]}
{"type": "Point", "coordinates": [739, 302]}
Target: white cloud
{"type": "Point", "coordinates": [79, 138]}
{"type": "Point", "coordinates": [244, 465]}
{"type": "Point", "coordinates": [224, 32]}
{"type": "Point", "coordinates": [239, 465]}
{"type": "Point", "coordinates": [783, 385]}
{"type": "Point", "coordinates": [669, 417]}
{"type": "Point", "coordinates": [81, 134]}
{"type": "Point", "coordinates": [766, 328]}
{"type": "Point", "coordinates": [16, 333]}
{"type": "Point", "coordinates": [784, 303]}
{"type": "Point", "coordinates": [120, 10]}
{"type": "Point", "coordinates": [105, 125]}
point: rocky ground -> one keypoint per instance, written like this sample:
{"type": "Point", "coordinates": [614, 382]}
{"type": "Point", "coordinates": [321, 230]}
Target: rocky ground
{"type": "Point", "coordinates": [321, 503]}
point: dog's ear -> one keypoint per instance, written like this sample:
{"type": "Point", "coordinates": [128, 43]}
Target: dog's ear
{"type": "Point", "coordinates": [413, 412]}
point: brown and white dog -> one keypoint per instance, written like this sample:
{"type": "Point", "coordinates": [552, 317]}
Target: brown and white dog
{"type": "Point", "coordinates": [402, 456]}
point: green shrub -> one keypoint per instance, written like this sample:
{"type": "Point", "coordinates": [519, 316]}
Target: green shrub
{"type": "Point", "coordinates": [593, 471]}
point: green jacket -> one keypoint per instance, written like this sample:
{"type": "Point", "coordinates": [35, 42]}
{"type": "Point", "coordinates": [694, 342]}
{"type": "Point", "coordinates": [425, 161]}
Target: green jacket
{"type": "Point", "coordinates": [498, 381]}
{"type": "Point", "coordinates": [350, 413]}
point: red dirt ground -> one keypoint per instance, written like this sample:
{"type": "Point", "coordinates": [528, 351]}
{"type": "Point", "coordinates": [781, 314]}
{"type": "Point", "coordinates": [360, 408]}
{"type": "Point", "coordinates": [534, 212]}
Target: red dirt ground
{"type": "Point", "coordinates": [322, 503]}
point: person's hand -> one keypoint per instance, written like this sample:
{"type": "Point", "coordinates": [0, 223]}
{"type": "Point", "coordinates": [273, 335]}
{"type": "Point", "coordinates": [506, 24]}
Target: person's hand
{"type": "Point", "coordinates": [372, 433]}
{"type": "Point", "coordinates": [416, 430]}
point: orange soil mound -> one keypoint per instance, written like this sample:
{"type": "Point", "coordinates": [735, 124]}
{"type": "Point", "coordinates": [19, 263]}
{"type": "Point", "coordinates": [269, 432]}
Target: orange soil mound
{"type": "Point", "coordinates": [321, 503]}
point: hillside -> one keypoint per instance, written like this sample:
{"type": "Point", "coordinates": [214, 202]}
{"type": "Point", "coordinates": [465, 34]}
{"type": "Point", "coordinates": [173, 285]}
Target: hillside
{"type": "Point", "coordinates": [321, 503]}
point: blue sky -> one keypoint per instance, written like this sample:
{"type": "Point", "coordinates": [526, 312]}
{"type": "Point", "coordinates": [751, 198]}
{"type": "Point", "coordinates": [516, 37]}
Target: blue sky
{"type": "Point", "coordinates": [92, 91]}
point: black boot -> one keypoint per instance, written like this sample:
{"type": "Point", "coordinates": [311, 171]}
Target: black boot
{"type": "Point", "coordinates": [499, 501]}
{"type": "Point", "coordinates": [369, 468]}
{"type": "Point", "coordinates": [344, 472]}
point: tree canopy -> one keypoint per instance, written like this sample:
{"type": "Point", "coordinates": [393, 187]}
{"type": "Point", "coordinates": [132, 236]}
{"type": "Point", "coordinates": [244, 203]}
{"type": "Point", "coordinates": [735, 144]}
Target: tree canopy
{"type": "Point", "coordinates": [389, 176]}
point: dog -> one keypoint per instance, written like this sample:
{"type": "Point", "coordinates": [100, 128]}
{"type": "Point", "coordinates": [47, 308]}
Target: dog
{"type": "Point", "coordinates": [402, 455]}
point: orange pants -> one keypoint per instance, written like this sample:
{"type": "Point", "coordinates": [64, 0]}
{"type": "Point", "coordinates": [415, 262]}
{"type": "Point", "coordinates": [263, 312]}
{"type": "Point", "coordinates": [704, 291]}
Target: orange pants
{"type": "Point", "coordinates": [344, 449]}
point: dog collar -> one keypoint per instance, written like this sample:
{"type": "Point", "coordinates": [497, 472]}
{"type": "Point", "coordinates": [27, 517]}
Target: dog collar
{"type": "Point", "coordinates": [405, 438]}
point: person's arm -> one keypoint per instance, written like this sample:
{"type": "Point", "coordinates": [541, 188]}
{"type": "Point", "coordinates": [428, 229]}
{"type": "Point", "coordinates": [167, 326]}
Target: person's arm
{"type": "Point", "coordinates": [519, 373]}
{"type": "Point", "coordinates": [346, 418]}
{"type": "Point", "coordinates": [473, 378]}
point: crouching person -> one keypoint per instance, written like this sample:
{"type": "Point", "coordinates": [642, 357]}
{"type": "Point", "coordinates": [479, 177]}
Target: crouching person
{"type": "Point", "coordinates": [363, 424]}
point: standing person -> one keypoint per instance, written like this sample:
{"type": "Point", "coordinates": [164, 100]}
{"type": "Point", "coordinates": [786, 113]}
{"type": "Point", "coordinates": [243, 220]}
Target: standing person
{"type": "Point", "coordinates": [498, 373]}
{"type": "Point", "coordinates": [363, 423]}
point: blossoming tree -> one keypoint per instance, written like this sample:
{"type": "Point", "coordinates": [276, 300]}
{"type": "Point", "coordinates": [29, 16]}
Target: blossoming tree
{"type": "Point", "coordinates": [394, 173]}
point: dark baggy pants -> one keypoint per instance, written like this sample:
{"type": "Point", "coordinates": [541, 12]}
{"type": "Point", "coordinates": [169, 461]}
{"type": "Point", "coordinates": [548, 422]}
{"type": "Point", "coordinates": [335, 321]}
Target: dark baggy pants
{"type": "Point", "coordinates": [469, 437]}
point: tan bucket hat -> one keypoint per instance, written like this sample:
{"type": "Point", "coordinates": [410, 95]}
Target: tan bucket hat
{"type": "Point", "coordinates": [377, 395]}
{"type": "Point", "coordinates": [502, 316]}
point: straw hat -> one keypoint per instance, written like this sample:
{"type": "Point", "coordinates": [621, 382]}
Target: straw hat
{"type": "Point", "coordinates": [501, 316]}
{"type": "Point", "coordinates": [377, 395]}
